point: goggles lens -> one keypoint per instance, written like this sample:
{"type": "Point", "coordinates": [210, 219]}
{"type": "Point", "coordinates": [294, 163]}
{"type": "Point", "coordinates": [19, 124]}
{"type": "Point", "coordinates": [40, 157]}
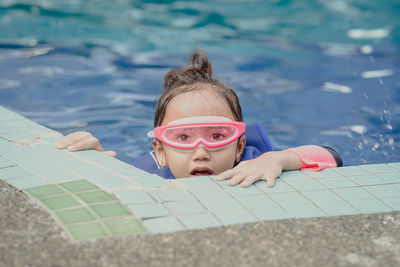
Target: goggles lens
{"type": "Point", "coordinates": [210, 134]}
{"type": "Point", "coordinates": [213, 135]}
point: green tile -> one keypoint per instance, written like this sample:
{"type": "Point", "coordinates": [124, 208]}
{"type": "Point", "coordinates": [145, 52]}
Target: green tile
{"type": "Point", "coordinates": [25, 123]}
{"type": "Point", "coordinates": [87, 231]}
{"type": "Point", "coordinates": [290, 198]}
{"type": "Point", "coordinates": [20, 156]}
{"type": "Point", "coordinates": [209, 193]}
{"type": "Point", "coordinates": [163, 225]}
{"type": "Point", "coordinates": [148, 210]}
{"type": "Point", "coordinates": [391, 177]}
{"type": "Point", "coordinates": [133, 197]}
{"type": "Point", "coordinates": [27, 182]}
{"type": "Point", "coordinates": [154, 195]}
{"type": "Point", "coordinates": [79, 186]}
{"type": "Point", "coordinates": [5, 163]}
{"type": "Point", "coordinates": [18, 136]}
{"type": "Point", "coordinates": [384, 191]}
{"type": "Point", "coordinates": [8, 115]}
{"type": "Point", "coordinates": [6, 128]}
{"type": "Point", "coordinates": [369, 179]}
{"type": "Point", "coordinates": [57, 174]}
{"type": "Point", "coordinates": [253, 201]}
{"type": "Point", "coordinates": [272, 213]}
{"type": "Point", "coordinates": [112, 182]}
{"type": "Point", "coordinates": [379, 168]}
{"type": "Point", "coordinates": [92, 172]}
{"type": "Point", "coordinates": [293, 175]}
{"type": "Point", "coordinates": [325, 173]}
{"type": "Point", "coordinates": [306, 211]}
{"type": "Point", "coordinates": [323, 196]}
{"type": "Point", "coordinates": [150, 180]}
{"type": "Point", "coordinates": [354, 193]}
{"type": "Point", "coordinates": [96, 197]}
{"type": "Point", "coordinates": [395, 165]}
{"type": "Point", "coordinates": [122, 167]}
{"type": "Point", "coordinates": [60, 202]}
{"type": "Point", "coordinates": [13, 172]}
{"type": "Point", "coordinates": [338, 182]}
{"type": "Point", "coordinates": [237, 190]}
{"type": "Point", "coordinates": [110, 210]}
{"type": "Point", "coordinates": [185, 207]}
{"type": "Point", "coordinates": [53, 138]}
{"type": "Point", "coordinates": [338, 208]}
{"type": "Point", "coordinates": [235, 216]}
{"type": "Point", "coordinates": [6, 146]}
{"type": "Point", "coordinates": [303, 185]}
{"type": "Point", "coordinates": [49, 152]}
{"type": "Point", "coordinates": [279, 187]}
{"type": "Point", "coordinates": [125, 226]}
{"type": "Point", "coordinates": [198, 182]}
{"type": "Point", "coordinates": [166, 195]}
{"type": "Point", "coordinates": [75, 215]}
{"type": "Point", "coordinates": [73, 163]}
{"type": "Point", "coordinates": [45, 191]}
{"type": "Point", "coordinates": [221, 204]}
{"type": "Point", "coordinates": [37, 164]}
{"type": "Point", "coordinates": [93, 155]}
{"type": "Point", "coordinates": [352, 170]}
{"type": "Point", "coordinates": [83, 168]}
{"type": "Point", "coordinates": [371, 205]}
{"type": "Point", "coordinates": [199, 221]}
{"type": "Point", "coordinates": [393, 202]}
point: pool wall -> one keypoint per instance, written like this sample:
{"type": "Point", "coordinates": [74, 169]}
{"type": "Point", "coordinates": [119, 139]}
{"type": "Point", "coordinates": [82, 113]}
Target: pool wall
{"type": "Point", "coordinates": [93, 195]}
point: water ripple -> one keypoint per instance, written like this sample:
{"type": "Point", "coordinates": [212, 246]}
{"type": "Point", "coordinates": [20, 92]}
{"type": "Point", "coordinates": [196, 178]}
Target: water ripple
{"type": "Point", "coordinates": [6, 84]}
{"type": "Point", "coordinates": [368, 33]}
{"type": "Point", "coordinates": [41, 70]}
{"type": "Point", "coordinates": [377, 73]}
{"type": "Point", "coordinates": [337, 88]}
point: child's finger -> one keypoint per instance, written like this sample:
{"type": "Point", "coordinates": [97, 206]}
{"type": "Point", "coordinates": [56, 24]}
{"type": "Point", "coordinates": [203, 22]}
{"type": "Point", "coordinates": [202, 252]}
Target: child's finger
{"type": "Point", "coordinates": [225, 175]}
{"type": "Point", "coordinates": [251, 179]}
{"type": "Point", "coordinates": [88, 143]}
{"type": "Point", "coordinates": [71, 139]}
{"type": "Point", "coordinates": [238, 177]}
{"type": "Point", "coordinates": [111, 153]}
{"type": "Point", "coordinates": [270, 180]}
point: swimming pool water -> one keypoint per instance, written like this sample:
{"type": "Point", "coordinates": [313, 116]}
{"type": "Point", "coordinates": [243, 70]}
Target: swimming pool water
{"type": "Point", "coordinates": [313, 72]}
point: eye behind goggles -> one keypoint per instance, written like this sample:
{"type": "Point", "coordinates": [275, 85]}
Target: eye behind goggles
{"type": "Point", "coordinates": [212, 135]}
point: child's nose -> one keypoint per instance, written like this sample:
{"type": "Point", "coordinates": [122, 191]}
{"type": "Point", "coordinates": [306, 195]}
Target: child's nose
{"type": "Point", "coordinates": [201, 154]}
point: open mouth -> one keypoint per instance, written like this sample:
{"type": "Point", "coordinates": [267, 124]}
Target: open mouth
{"type": "Point", "coordinates": [201, 171]}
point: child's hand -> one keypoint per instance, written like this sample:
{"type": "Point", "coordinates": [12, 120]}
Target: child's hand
{"type": "Point", "coordinates": [81, 141]}
{"type": "Point", "coordinates": [267, 167]}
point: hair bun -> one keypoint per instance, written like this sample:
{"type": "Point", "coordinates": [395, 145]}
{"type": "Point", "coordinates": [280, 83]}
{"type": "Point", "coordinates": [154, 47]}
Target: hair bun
{"type": "Point", "coordinates": [200, 62]}
{"type": "Point", "coordinates": [199, 72]}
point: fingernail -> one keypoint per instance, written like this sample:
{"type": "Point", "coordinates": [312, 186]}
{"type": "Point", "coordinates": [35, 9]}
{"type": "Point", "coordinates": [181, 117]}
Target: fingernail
{"type": "Point", "coordinates": [57, 145]}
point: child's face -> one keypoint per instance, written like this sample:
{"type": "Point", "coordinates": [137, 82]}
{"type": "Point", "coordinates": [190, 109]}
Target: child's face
{"type": "Point", "coordinates": [201, 161]}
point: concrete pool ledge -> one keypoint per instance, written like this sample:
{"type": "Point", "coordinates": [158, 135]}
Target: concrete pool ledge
{"type": "Point", "coordinates": [57, 200]}
{"type": "Point", "coordinates": [93, 195]}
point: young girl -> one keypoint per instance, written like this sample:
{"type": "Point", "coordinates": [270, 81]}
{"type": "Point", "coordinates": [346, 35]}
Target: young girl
{"type": "Point", "coordinates": [199, 130]}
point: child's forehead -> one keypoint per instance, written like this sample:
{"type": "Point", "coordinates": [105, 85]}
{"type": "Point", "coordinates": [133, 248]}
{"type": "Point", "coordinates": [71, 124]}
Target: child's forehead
{"type": "Point", "coordinates": [197, 103]}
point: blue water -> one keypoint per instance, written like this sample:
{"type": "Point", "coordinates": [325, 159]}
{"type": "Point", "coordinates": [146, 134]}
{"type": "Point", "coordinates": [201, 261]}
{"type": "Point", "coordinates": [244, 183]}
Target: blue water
{"type": "Point", "coordinates": [312, 71]}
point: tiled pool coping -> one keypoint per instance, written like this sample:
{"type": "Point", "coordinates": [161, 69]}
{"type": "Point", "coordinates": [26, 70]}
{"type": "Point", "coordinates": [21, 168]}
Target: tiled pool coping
{"type": "Point", "coordinates": [93, 195]}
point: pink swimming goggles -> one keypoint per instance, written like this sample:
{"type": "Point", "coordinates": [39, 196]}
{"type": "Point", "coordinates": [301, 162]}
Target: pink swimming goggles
{"type": "Point", "coordinates": [210, 131]}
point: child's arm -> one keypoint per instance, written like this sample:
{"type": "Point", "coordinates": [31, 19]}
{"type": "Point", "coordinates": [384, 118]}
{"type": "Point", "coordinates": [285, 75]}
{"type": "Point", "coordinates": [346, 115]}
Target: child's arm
{"type": "Point", "coordinates": [81, 141]}
{"type": "Point", "coordinates": [270, 165]}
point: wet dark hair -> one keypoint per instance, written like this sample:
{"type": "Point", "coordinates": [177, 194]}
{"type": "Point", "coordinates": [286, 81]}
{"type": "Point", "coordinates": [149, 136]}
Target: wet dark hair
{"type": "Point", "coordinates": [197, 77]}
